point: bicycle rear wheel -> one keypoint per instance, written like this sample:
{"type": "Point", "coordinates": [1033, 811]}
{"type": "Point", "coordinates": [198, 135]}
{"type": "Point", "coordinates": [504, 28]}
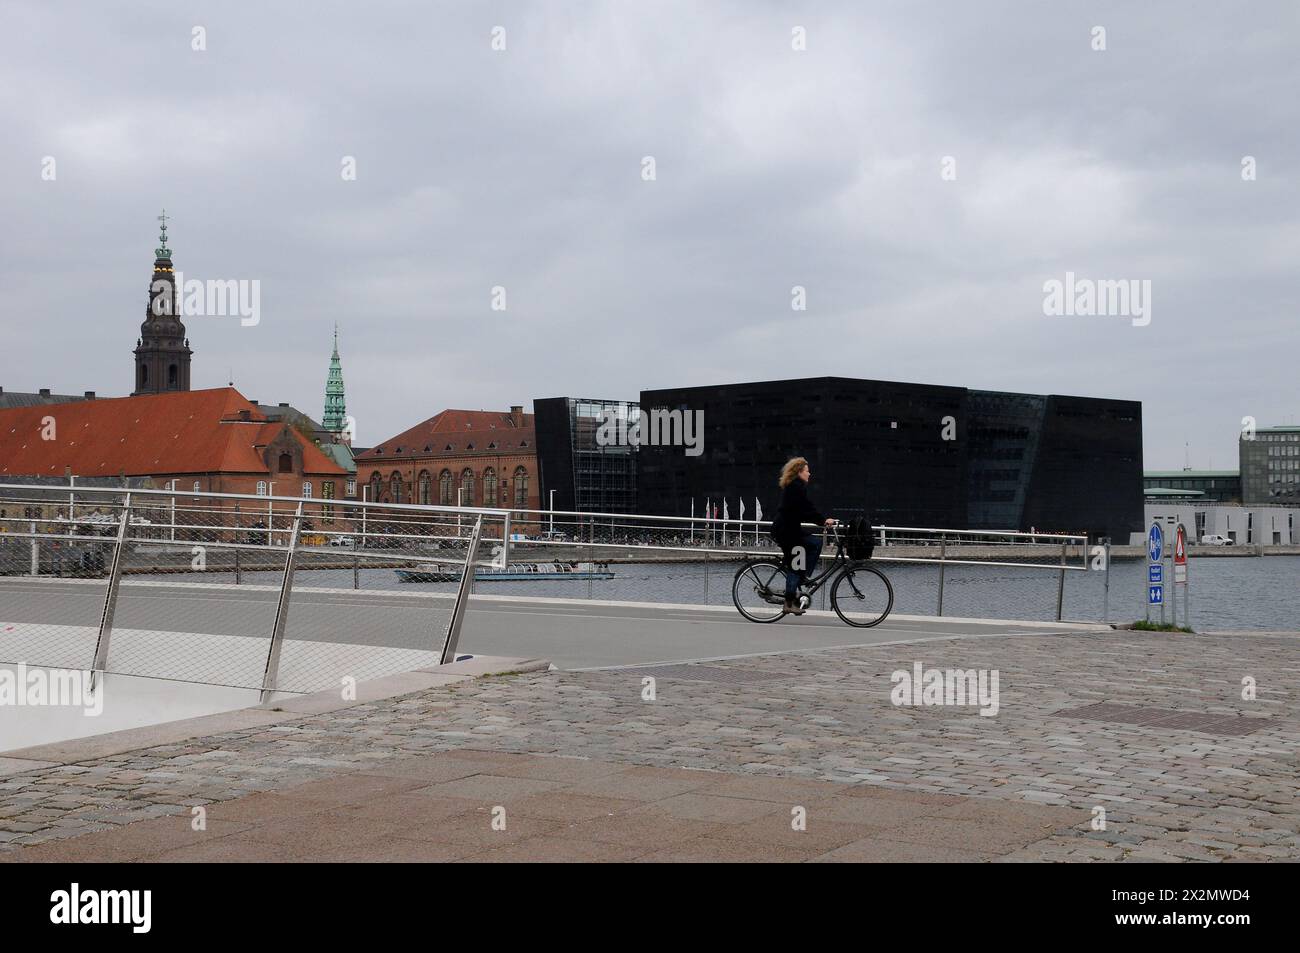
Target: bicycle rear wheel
{"type": "Point", "coordinates": [862, 596]}
{"type": "Point", "coordinates": [759, 590]}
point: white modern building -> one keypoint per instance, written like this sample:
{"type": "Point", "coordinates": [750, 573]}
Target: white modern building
{"type": "Point", "coordinates": [1260, 525]}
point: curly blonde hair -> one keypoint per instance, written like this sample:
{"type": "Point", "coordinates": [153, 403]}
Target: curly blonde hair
{"type": "Point", "coordinates": [790, 472]}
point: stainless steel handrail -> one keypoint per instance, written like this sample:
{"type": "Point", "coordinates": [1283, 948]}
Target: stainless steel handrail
{"type": "Point", "coordinates": [462, 597]}
{"type": "Point", "coordinates": [243, 497]}
{"type": "Point", "coordinates": [100, 660]}
{"type": "Point", "coordinates": [272, 673]}
{"type": "Point", "coordinates": [502, 512]}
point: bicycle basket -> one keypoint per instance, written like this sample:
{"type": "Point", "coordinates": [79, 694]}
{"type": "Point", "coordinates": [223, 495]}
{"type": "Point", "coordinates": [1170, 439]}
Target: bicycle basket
{"type": "Point", "coordinates": [859, 541]}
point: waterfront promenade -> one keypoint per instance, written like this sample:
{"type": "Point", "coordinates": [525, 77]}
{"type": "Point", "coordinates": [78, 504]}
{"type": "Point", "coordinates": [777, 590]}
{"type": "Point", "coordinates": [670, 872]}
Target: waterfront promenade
{"type": "Point", "coordinates": [581, 765]}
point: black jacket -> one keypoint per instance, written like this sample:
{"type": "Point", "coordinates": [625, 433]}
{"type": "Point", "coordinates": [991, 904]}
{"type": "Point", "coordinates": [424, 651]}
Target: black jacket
{"type": "Point", "coordinates": [795, 509]}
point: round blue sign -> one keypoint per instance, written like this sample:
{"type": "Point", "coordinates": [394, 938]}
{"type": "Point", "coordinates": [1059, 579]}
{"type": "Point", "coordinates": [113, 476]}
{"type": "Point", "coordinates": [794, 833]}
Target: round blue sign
{"type": "Point", "coordinates": [1155, 543]}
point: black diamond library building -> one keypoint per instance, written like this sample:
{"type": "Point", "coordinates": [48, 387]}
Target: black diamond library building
{"type": "Point", "coordinates": [908, 455]}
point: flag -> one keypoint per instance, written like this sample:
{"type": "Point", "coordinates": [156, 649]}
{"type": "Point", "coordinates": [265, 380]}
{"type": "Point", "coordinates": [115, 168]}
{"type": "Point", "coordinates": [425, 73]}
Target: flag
{"type": "Point", "coordinates": [758, 511]}
{"type": "Point", "coordinates": [742, 507]}
{"type": "Point", "coordinates": [725, 516]}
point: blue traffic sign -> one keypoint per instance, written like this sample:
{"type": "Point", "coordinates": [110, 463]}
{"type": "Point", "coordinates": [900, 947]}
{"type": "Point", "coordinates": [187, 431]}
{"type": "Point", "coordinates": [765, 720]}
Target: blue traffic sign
{"type": "Point", "coordinates": [1156, 595]}
{"type": "Point", "coordinates": [1155, 543]}
{"type": "Point", "coordinates": [1155, 573]}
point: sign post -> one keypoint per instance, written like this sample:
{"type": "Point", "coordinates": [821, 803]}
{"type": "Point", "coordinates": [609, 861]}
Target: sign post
{"type": "Point", "coordinates": [1156, 571]}
{"type": "Point", "coordinates": [1180, 574]}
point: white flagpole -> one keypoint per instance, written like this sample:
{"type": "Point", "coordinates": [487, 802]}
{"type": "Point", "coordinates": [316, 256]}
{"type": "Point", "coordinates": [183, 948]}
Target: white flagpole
{"type": "Point", "coordinates": [692, 521]}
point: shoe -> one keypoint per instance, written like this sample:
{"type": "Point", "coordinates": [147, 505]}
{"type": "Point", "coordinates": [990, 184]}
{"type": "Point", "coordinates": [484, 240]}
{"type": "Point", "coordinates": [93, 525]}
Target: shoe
{"type": "Point", "coordinates": [795, 605]}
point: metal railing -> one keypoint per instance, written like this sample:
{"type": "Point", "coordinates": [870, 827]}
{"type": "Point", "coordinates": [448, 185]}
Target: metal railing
{"type": "Point", "coordinates": [64, 551]}
{"type": "Point", "coordinates": [289, 594]}
{"type": "Point", "coordinates": [1030, 561]}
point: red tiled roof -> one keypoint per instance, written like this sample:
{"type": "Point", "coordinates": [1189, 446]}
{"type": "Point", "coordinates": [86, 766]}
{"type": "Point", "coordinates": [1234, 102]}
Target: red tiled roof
{"type": "Point", "coordinates": [464, 431]}
{"type": "Point", "coordinates": [198, 431]}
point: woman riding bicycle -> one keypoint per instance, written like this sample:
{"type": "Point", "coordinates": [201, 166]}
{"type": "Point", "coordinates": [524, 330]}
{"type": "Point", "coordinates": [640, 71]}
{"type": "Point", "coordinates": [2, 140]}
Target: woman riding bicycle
{"type": "Point", "coordinates": [801, 549]}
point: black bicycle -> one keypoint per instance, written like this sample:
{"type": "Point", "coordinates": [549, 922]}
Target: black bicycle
{"type": "Point", "coordinates": [860, 593]}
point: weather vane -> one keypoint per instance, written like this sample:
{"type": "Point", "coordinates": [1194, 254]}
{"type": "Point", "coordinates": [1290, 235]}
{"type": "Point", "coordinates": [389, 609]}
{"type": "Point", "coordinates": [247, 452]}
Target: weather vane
{"type": "Point", "coordinates": [163, 251]}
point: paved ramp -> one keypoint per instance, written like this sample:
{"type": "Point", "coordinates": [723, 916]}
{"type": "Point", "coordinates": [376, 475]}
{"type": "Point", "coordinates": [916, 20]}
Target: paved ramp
{"type": "Point", "coordinates": [576, 634]}
{"type": "Point", "coordinates": [573, 633]}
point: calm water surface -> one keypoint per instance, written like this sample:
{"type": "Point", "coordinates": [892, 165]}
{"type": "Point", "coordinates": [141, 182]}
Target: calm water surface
{"type": "Point", "coordinates": [1227, 593]}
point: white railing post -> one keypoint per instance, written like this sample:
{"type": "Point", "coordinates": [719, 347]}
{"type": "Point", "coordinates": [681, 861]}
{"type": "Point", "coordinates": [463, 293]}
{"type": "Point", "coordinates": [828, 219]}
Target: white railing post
{"type": "Point", "coordinates": [943, 550]}
{"type": "Point", "coordinates": [1060, 585]}
{"type": "Point", "coordinates": [462, 596]}
{"type": "Point", "coordinates": [505, 543]}
{"type": "Point", "coordinates": [100, 661]}
{"type": "Point", "coordinates": [272, 672]}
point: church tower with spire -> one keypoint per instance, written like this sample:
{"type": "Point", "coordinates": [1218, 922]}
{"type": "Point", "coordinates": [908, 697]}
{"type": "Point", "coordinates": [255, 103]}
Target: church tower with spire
{"type": "Point", "coordinates": [335, 418]}
{"type": "Point", "coordinates": [162, 352]}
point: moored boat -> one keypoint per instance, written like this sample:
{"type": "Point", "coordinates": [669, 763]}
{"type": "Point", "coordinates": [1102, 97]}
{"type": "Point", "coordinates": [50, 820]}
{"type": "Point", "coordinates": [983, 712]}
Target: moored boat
{"type": "Point", "coordinates": [515, 572]}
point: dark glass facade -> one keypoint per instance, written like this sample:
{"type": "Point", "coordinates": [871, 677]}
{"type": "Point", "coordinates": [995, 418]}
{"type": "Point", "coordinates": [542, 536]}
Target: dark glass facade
{"type": "Point", "coordinates": [908, 454]}
{"type": "Point", "coordinates": [1003, 433]}
{"type": "Point", "coordinates": [586, 477]}
{"type": "Point", "coordinates": [1270, 465]}
{"type": "Point", "coordinates": [1087, 475]}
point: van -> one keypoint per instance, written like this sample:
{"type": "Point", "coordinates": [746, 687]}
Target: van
{"type": "Point", "coordinates": [1215, 540]}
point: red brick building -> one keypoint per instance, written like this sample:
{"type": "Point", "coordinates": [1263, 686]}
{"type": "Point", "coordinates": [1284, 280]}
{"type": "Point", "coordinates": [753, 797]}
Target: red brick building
{"type": "Point", "coordinates": [204, 441]}
{"type": "Point", "coordinates": [459, 457]}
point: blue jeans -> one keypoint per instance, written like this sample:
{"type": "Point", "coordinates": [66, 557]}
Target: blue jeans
{"type": "Point", "coordinates": [812, 548]}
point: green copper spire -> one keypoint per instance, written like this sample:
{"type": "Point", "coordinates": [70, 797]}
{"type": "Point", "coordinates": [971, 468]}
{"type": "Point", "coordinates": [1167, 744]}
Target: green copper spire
{"type": "Point", "coordinates": [162, 251]}
{"type": "Point", "coordinates": [336, 410]}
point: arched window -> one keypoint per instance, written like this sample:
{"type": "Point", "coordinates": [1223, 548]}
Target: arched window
{"type": "Point", "coordinates": [395, 486]}
{"type": "Point", "coordinates": [144, 375]}
{"type": "Point", "coordinates": [489, 487]}
{"type": "Point", "coordinates": [425, 481]}
{"type": "Point", "coordinates": [261, 488]}
{"type": "Point", "coordinates": [521, 487]}
{"type": "Point", "coordinates": [171, 375]}
{"type": "Point", "coordinates": [376, 481]}
{"type": "Point", "coordinates": [467, 487]}
{"type": "Point", "coordinates": [444, 488]}
{"type": "Point", "coordinates": [286, 463]}
{"type": "Point", "coordinates": [306, 490]}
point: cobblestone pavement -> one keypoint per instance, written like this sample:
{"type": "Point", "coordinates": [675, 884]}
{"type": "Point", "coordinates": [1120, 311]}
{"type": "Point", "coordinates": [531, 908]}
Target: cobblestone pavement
{"type": "Point", "coordinates": [1169, 793]}
{"type": "Point", "coordinates": [494, 806]}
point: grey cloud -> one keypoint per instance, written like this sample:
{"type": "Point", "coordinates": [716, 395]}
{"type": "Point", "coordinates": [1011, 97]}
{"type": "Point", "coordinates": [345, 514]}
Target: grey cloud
{"type": "Point", "coordinates": [775, 168]}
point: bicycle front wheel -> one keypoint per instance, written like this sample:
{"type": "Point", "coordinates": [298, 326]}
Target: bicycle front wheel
{"type": "Point", "coordinates": [862, 596]}
{"type": "Point", "coordinates": [759, 591]}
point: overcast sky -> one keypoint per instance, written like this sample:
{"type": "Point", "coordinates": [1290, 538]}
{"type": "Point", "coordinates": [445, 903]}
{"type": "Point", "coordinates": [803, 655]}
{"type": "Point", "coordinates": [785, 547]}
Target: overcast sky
{"type": "Point", "coordinates": [774, 167]}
